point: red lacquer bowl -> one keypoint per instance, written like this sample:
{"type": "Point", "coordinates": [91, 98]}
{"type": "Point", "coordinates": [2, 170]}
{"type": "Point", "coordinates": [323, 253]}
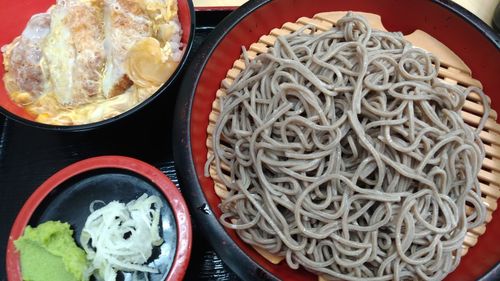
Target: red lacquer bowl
{"type": "Point", "coordinates": [462, 32]}
{"type": "Point", "coordinates": [66, 196]}
{"type": "Point", "coordinates": [15, 15]}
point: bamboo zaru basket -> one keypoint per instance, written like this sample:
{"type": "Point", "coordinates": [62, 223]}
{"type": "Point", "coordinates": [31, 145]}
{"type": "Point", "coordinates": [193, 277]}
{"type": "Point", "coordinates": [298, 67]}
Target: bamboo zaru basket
{"type": "Point", "coordinates": [453, 70]}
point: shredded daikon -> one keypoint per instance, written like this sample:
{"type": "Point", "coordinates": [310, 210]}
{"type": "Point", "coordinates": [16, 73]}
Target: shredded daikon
{"type": "Point", "coordinates": [121, 237]}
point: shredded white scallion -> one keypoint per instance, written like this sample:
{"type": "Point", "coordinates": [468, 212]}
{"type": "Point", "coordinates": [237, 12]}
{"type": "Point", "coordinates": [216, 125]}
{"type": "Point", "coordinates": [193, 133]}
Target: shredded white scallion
{"type": "Point", "coordinates": [121, 237]}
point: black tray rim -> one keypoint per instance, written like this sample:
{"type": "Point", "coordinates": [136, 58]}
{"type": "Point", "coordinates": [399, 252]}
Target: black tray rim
{"type": "Point", "coordinates": [237, 260]}
{"type": "Point", "coordinates": [127, 114]}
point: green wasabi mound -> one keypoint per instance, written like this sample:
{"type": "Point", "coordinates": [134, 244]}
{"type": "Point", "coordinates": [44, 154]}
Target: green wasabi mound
{"type": "Point", "coordinates": [48, 252]}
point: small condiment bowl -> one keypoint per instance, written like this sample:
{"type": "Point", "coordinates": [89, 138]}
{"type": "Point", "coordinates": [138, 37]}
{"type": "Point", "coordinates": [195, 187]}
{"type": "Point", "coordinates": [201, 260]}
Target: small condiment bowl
{"type": "Point", "coordinates": [67, 195]}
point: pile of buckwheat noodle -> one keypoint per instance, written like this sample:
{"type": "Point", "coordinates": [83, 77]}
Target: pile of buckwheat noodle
{"type": "Point", "coordinates": [345, 154]}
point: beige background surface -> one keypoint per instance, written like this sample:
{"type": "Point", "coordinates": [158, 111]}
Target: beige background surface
{"type": "Point", "coordinates": [482, 8]}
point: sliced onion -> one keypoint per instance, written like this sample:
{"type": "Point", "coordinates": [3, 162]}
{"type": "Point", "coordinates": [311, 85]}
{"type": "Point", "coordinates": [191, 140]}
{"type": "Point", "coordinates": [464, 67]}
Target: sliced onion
{"type": "Point", "coordinates": [148, 64]}
{"type": "Point", "coordinates": [121, 236]}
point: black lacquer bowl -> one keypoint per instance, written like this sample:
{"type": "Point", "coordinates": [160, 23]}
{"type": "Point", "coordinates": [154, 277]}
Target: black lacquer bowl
{"type": "Point", "coordinates": [67, 195]}
{"type": "Point", "coordinates": [14, 18]}
{"type": "Point", "coordinates": [465, 34]}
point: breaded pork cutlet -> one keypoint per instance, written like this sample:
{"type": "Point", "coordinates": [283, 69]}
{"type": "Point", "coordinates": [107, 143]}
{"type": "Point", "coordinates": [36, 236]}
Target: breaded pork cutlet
{"type": "Point", "coordinates": [125, 23]}
{"type": "Point", "coordinates": [74, 52]}
{"type": "Point", "coordinates": [23, 57]}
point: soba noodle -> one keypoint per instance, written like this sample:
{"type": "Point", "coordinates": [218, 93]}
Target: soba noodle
{"type": "Point", "coordinates": [343, 152]}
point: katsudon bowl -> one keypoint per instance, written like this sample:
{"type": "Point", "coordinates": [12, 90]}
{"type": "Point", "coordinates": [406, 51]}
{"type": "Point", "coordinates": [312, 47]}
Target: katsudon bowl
{"type": "Point", "coordinates": [466, 35]}
{"type": "Point", "coordinates": [13, 26]}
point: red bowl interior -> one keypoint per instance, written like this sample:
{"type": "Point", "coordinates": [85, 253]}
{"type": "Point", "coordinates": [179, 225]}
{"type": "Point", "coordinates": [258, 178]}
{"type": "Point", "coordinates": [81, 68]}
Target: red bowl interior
{"type": "Point", "coordinates": [465, 40]}
{"type": "Point", "coordinates": [164, 184]}
{"type": "Point", "coordinates": [13, 26]}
